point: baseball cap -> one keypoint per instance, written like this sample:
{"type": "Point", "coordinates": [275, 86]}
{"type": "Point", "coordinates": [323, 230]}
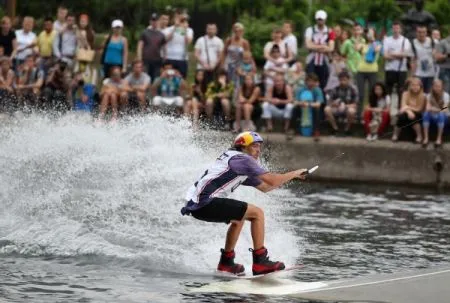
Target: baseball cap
{"type": "Point", "coordinates": [154, 16]}
{"type": "Point", "coordinates": [321, 14]}
{"type": "Point", "coordinates": [117, 23]}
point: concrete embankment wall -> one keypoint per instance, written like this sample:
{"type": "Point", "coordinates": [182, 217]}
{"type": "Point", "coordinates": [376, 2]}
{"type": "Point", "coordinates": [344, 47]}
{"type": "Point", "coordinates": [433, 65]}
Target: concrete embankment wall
{"type": "Point", "coordinates": [372, 162]}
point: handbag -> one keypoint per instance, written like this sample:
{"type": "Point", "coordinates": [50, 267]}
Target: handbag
{"type": "Point", "coordinates": [85, 55]}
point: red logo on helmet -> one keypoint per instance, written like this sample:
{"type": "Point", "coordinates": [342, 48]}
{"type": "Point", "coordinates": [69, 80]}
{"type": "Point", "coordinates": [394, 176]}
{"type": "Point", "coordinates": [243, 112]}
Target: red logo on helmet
{"type": "Point", "coordinates": [239, 141]}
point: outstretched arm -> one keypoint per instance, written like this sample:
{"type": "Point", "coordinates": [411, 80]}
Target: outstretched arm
{"type": "Point", "coordinates": [271, 181]}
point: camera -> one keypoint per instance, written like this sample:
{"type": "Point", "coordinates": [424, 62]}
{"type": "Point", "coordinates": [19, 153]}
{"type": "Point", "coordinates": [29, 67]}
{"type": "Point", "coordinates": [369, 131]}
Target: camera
{"type": "Point", "coordinates": [170, 72]}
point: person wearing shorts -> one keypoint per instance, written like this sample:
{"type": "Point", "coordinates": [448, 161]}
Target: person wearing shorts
{"type": "Point", "coordinates": [207, 200]}
{"type": "Point", "coordinates": [342, 103]}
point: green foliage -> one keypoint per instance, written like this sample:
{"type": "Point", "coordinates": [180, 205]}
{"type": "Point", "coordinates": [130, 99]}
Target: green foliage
{"type": "Point", "coordinates": [441, 10]}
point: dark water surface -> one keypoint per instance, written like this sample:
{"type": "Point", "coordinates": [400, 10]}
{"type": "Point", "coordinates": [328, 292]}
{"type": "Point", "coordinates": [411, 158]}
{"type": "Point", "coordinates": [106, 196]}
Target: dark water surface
{"type": "Point", "coordinates": [344, 233]}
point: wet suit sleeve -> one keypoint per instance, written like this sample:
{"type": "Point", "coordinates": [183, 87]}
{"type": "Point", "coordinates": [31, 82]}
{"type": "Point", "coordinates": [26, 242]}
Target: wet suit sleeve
{"type": "Point", "coordinates": [244, 165]}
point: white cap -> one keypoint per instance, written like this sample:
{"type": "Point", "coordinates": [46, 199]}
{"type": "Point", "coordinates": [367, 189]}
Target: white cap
{"type": "Point", "coordinates": [117, 23]}
{"type": "Point", "coordinates": [321, 14]}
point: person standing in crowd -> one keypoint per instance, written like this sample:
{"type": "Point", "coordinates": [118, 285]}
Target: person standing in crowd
{"type": "Point", "coordinates": [319, 41]}
{"type": "Point", "coordinates": [150, 47]}
{"type": "Point", "coordinates": [248, 96]}
{"type": "Point", "coordinates": [351, 49]}
{"type": "Point", "coordinates": [218, 94]}
{"type": "Point", "coordinates": [163, 22]}
{"type": "Point", "coordinates": [342, 102]}
{"type": "Point", "coordinates": [85, 33]}
{"type": "Point", "coordinates": [112, 94]}
{"type": "Point", "coordinates": [279, 104]}
{"type": "Point", "coordinates": [412, 105]}
{"type": "Point", "coordinates": [436, 36]}
{"type": "Point", "coordinates": [307, 105]}
{"type": "Point", "coordinates": [376, 115]}
{"type": "Point", "coordinates": [168, 89]}
{"type": "Point", "coordinates": [61, 17]}
{"type": "Point", "coordinates": [338, 38]}
{"type": "Point", "coordinates": [138, 83]}
{"type": "Point", "coordinates": [277, 39]}
{"type": "Point", "coordinates": [179, 37]}
{"type": "Point", "coordinates": [66, 41]}
{"type": "Point", "coordinates": [337, 65]}
{"type": "Point", "coordinates": [8, 38]}
{"type": "Point", "coordinates": [115, 50]}
{"type": "Point", "coordinates": [396, 49]}
{"type": "Point", "coordinates": [26, 41]}
{"type": "Point", "coordinates": [435, 113]}
{"type": "Point", "coordinates": [6, 85]}
{"type": "Point", "coordinates": [368, 66]}
{"type": "Point", "coordinates": [422, 64]}
{"type": "Point", "coordinates": [442, 57]}
{"type": "Point", "coordinates": [290, 40]}
{"type": "Point", "coordinates": [45, 45]}
{"type": "Point", "coordinates": [208, 50]}
{"type": "Point", "coordinates": [232, 55]}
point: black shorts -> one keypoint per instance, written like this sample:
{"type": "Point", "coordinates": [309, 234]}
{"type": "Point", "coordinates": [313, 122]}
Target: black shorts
{"type": "Point", "coordinates": [221, 210]}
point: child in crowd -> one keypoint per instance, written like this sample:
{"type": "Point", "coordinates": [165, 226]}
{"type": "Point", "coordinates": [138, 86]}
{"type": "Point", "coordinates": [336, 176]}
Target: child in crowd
{"type": "Point", "coordinates": [295, 76]}
{"type": "Point", "coordinates": [247, 66]}
{"type": "Point", "coordinates": [275, 66]}
{"type": "Point", "coordinates": [376, 115]}
{"type": "Point", "coordinates": [336, 67]}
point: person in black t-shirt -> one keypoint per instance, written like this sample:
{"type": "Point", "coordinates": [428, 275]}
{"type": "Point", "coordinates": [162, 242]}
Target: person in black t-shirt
{"type": "Point", "coordinates": [150, 46]}
{"type": "Point", "coordinates": [8, 37]}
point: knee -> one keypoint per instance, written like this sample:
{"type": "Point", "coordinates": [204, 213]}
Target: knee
{"type": "Point", "coordinates": [327, 109]}
{"type": "Point", "coordinates": [254, 213]}
{"type": "Point", "coordinates": [351, 111]}
{"type": "Point", "coordinates": [265, 105]}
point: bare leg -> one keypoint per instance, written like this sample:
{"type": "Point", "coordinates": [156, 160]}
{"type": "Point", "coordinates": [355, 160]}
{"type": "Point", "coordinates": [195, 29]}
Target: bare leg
{"type": "Point", "coordinates": [233, 234]}
{"type": "Point", "coordinates": [418, 131]}
{"type": "Point", "coordinates": [226, 108]}
{"type": "Point", "coordinates": [239, 109]}
{"type": "Point", "coordinates": [439, 135]}
{"type": "Point", "coordinates": [256, 217]}
{"type": "Point", "coordinates": [142, 101]}
{"type": "Point", "coordinates": [209, 108]}
{"type": "Point", "coordinates": [114, 105]}
{"type": "Point", "coordinates": [330, 116]}
{"type": "Point", "coordinates": [248, 109]}
{"type": "Point", "coordinates": [104, 105]}
{"type": "Point", "coordinates": [396, 133]}
{"type": "Point", "coordinates": [351, 115]}
{"type": "Point", "coordinates": [426, 131]}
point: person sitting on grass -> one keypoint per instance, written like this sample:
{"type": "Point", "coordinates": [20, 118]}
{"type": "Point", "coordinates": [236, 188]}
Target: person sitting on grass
{"type": "Point", "coordinates": [376, 115]}
{"type": "Point", "coordinates": [435, 113]}
{"type": "Point", "coordinates": [412, 106]}
{"type": "Point", "coordinates": [342, 102]}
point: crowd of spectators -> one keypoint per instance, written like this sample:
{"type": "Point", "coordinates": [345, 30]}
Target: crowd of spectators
{"type": "Point", "coordinates": [338, 83]}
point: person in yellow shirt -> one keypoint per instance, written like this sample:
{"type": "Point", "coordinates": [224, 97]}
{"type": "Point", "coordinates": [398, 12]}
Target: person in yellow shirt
{"type": "Point", "coordinates": [45, 42]}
